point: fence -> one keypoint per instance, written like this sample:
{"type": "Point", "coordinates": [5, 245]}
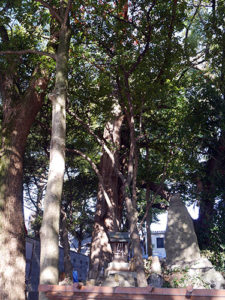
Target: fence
{"type": "Point", "coordinates": [79, 292]}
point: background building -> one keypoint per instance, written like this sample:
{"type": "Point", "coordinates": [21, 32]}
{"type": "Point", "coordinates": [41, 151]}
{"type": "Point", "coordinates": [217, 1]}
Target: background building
{"type": "Point", "coordinates": [158, 247]}
{"type": "Point", "coordinates": [80, 263]}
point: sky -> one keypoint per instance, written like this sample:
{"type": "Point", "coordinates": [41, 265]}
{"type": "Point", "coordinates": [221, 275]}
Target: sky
{"type": "Point", "coordinates": [161, 225]}
{"type": "Point", "coordinates": [156, 226]}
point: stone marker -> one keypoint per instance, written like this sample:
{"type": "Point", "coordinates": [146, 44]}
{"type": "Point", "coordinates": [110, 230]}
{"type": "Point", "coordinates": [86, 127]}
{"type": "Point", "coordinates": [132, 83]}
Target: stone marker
{"type": "Point", "coordinates": [156, 266]}
{"type": "Point", "coordinates": [180, 239]}
{"type": "Point", "coordinates": [182, 249]}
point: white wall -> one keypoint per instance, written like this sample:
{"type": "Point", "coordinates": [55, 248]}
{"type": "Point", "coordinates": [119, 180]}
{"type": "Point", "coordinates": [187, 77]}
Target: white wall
{"type": "Point", "coordinates": [158, 251]}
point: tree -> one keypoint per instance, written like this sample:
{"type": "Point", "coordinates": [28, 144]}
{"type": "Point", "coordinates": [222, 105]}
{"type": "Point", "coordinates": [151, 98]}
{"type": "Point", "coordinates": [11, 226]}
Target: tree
{"type": "Point", "coordinates": [58, 144]}
{"type": "Point", "coordinates": [50, 224]}
{"type": "Point", "coordinates": [118, 39]}
{"type": "Point", "coordinates": [126, 55]}
{"type": "Point", "coordinates": [21, 100]}
{"type": "Point", "coordinates": [207, 96]}
{"type": "Point", "coordinates": [76, 211]}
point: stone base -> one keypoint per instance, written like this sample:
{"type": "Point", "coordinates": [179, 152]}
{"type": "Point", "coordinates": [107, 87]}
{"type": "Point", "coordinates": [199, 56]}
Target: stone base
{"type": "Point", "coordinates": [117, 266]}
{"type": "Point", "coordinates": [201, 273]}
{"type": "Point", "coordinates": [155, 280]}
{"type": "Point", "coordinates": [120, 278]}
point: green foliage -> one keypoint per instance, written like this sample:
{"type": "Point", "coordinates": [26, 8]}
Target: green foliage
{"type": "Point", "coordinates": [178, 104]}
{"type": "Point", "coordinates": [217, 258]}
{"type": "Point", "coordinates": [180, 278]}
{"type": "Point", "coordinates": [215, 250]}
{"type": "Point", "coordinates": [79, 196]}
{"type": "Point", "coordinates": [35, 226]}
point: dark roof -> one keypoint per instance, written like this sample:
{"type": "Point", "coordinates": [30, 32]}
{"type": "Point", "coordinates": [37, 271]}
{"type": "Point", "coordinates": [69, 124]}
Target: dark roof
{"type": "Point", "coordinates": [119, 236]}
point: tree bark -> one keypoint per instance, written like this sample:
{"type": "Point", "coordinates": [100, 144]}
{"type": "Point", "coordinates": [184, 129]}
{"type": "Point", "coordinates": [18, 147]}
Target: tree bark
{"type": "Point", "coordinates": [18, 115]}
{"type": "Point", "coordinates": [131, 201]}
{"type": "Point", "coordinates": [49, 234]}
{"type": "Point", "coordinates": [107, 219]}
{"type": "Point", "coordinates": [207, 186]}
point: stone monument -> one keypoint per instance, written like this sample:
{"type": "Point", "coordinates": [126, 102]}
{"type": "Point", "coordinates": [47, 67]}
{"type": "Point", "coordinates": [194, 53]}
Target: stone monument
{"type": "Point", "coordinates": [182, 250]}
{"type": "Point", "coordinates": [180, 239]}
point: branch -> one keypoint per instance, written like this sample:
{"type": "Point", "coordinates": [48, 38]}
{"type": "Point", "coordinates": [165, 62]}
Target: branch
{"type": "Point", "coordinates": [99, 67]}
{"type": "Point", "coordinates": [192, 19]}
{"type": "Point", "coordinates": [149, 186]}
{"type": "Point", "coordinates": [123, 20]}
{"type": "Point", "coordinates": [142, 55]}
{"type": "Point", "coordinates": [4, 34]}
{"type": "Point", "coordinates": [100, 142]}
{"type": "Point", "coordinates": [158, 189]}
{"type": "Point", "coordinates": [111, 52]}
{"type": "Point", "coordinates": [51, 10]}
{"type": "Point", "coordinates": [67, 13]}
{"type": "Point", "coordinates": [28, 51]}
{"type": "Point", "coordinates": [149, 205]}
{"type": "Point", "coordinates": [90, 131]}
{"type": "Point", "coordinates": [95, 168]}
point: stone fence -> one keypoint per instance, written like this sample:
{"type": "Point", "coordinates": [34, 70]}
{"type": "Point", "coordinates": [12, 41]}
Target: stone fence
{"type": "Point", "coordinates": [80, 292]}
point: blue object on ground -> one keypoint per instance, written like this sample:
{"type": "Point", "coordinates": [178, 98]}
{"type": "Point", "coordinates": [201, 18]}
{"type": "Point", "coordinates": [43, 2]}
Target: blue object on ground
{"type": "Point", "coordinates": [75, 276]}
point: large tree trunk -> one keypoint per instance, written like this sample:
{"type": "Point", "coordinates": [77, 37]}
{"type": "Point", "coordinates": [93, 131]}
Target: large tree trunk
{"type": "Point", "coordinates": [208, 185]}
{"type": "Point", "coordinates": [18, 116]}
{"type": "Point", "coordinates": [204, 222]}
{"type": "Point", "coordinates": [105, 219]}
{"type": "Point", "coordinates": [49, 273]}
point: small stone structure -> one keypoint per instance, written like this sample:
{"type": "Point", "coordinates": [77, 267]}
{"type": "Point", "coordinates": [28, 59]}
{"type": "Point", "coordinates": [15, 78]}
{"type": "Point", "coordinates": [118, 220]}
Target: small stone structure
{"type": "Point", "coordinates": [119, 272]}
{"type": "Point", "coordinates": [182, 250]}
{"type": "Point", "coordinates": [155, 278]}
{"type": "Point", "coordinates": [119, 242]}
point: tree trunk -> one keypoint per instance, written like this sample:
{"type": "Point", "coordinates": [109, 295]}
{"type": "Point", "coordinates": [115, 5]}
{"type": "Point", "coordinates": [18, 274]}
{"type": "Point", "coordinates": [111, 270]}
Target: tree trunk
{"type": "Point", "coordinates": [105, 219]}
{"type": "Point", "coordinates": [101, 251]}
{"type": "Point", "coordinates": [204, 222]}
{"type": "Point", "coordinates": [148, 222]}
{"type": "Point", "coordinates": [68, 268]}
{"type": "Point", "coordinates": [149, 235]}
{"type": "Point", "coordinates": [131, 201]}
{"type": "Point", "coordinates": [49, 273]}
{"type": "Point", "coordinates": [135, 240]}
{"type": "Point", "coordinates": [18, 116]}
{"type": "Point", "coordinates": [207, 185]}
{"type": "Point", "coordinates": [79, 246]}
